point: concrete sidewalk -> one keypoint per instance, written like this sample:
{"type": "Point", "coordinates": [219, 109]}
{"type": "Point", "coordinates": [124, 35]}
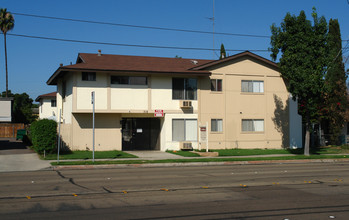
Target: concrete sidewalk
{"type": "Point", "coordinates": [15, 156]}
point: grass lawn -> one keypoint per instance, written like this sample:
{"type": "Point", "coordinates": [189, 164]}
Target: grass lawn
{"type": "Point", "coordinates": [183, 153]}
{"type": "Point", "coordinates": [298, 157]}
{"type": "Point", "coordinates": [88, 155]}
{"type": "Point", "coordinates": [249, 152]}
{"type": "Point", "coordinates": [317, 151]}
{"type": "Point", "coordinates": [344, 149]}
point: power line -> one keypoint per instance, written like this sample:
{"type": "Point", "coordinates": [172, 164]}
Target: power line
{"type": "Point", "coordinates": [139, 26]}
{"type": "Point", "coordinates": [126, 45]}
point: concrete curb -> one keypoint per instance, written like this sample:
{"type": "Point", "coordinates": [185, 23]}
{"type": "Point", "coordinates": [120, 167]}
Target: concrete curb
{"type": "Point", "coordinates": [192, 164]}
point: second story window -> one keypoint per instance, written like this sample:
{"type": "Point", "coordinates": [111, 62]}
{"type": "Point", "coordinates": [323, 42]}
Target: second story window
{"type": "Point", "coordinates": [53, 103]}
{"type": "Point", "coordinates": [129, 80]}
{"type": "Point", "coordinates": [88, 76]}
{"type": "Point", "coordinates": [252, 86]}
{"type": "Point", "coordinates": [216, 85]}
{"type": "Point", "coordinates": [184, 89]}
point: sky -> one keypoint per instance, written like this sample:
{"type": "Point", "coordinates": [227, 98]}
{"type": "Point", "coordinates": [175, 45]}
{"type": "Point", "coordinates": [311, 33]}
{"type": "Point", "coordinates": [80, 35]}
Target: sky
{"type": "Point", "coordinates": [32, 61]}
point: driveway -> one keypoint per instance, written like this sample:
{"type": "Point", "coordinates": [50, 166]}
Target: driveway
{"type": "Point", "coordinates": [15, 156]}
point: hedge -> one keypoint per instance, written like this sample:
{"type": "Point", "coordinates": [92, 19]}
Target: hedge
{"type": "Point", "coordinates": [43, 135]}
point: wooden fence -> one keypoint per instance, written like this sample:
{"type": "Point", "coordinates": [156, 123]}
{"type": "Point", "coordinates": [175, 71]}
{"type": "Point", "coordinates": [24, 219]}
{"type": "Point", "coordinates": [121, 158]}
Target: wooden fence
{"type": "Point", "coordinates": [8, 130]}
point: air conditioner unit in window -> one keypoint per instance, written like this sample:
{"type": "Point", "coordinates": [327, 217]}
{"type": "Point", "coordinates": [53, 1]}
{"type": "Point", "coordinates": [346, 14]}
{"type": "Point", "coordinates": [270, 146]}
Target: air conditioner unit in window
{"type": "Point", "coordinates": [186, 146]}
{"type": "Point", "coordinates": [185, 104]}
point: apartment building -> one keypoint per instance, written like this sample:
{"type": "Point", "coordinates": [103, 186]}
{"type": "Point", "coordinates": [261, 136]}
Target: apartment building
{"type": "Point", "coordinates": [155, 103]}
{"type": "Point", "coordinates": [47, 106]}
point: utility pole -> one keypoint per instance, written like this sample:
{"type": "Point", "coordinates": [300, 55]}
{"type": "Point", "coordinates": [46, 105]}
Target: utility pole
{"type": "Point", "coordinates": [213, 20]}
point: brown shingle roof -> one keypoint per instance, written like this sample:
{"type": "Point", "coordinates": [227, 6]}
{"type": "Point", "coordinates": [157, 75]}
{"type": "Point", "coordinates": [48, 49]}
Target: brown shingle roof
{"type": "Point", "coordinates": [48, 95]}
{"type": "Point", "coordinates": [106, 62]}
{"type": "Point", "coordinates": [136, 63]}
{"type": "Point", "coordinates": [128, 64]}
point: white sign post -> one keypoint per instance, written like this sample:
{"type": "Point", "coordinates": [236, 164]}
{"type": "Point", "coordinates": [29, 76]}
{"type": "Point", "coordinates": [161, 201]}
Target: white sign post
{"type": "Point", "coordinates": [203, 135]}
{"type": "Point", "coordinates": [93, 125]}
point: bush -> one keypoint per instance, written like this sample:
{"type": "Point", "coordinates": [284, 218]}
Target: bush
{"type": "Point", "coordinates": [43, 135]}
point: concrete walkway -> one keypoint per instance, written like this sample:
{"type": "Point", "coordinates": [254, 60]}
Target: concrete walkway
{"type": "Point", "coordinates": [15, 156]}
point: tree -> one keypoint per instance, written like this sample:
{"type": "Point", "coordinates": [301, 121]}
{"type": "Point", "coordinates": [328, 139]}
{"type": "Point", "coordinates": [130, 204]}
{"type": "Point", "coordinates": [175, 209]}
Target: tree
{"type": "Point", "coordinates": [302, 63]}
{"type": "Point", "coordinates": [335, 83]}
{"type": "Point", "coordinates": [7, 23]}
{"type": "Point", "coordinates": [22, 108]}
{"type": "Point", "coordinates": [223, 54]}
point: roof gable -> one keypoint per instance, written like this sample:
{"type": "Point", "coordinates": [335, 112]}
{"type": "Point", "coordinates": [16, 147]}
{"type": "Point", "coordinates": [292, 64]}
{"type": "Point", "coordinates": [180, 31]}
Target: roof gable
{"type": "Point", "coordinates": [211, 64]}
{"type": "Point", "coordinates": [47, 95]}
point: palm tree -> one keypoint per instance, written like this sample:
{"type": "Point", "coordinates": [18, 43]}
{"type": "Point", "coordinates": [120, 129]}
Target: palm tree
{"type": "Point", "coordinates": [7, 23]}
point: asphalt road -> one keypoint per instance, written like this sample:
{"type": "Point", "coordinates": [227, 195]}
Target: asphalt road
{"type": "Point", "coordinates": [274, 191]}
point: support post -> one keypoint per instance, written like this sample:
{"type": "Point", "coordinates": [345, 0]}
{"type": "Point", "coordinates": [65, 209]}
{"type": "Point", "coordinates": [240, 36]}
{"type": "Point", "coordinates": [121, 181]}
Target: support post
{"type": "Point", "coordinates": [59, 135]}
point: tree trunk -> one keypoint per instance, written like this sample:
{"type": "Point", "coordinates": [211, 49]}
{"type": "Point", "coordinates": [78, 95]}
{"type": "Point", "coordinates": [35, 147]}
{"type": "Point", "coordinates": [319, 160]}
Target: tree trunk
{"type": "Point", "coordinates": [6, 65]}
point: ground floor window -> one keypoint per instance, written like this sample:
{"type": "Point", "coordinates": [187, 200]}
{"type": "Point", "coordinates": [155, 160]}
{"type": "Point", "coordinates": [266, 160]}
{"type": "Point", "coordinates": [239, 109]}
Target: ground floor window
{"type": "Point", "coordinates": [184, 129]}
{"type": "Point", "coordinates": [252, 125]}
{"type": "Point", "coordinates": [216, 125]}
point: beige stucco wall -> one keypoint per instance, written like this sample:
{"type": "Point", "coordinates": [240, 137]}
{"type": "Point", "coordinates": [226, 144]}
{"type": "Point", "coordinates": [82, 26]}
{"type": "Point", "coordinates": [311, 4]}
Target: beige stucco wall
{"type": "Point", "coordinates": [46, 111]}
{"type": "Point", "coordinates": [5, 110]}
{"type": "Point", "coordinates": [107, 132]}
{"type": "Point", "coordinates": [85, 88]}
{"type": "Point", "coordinates": [129, 97]}
{"type": "Point", "coordinates": [161, 95]}
{"type": "Point", "coordinates": [232, 105]}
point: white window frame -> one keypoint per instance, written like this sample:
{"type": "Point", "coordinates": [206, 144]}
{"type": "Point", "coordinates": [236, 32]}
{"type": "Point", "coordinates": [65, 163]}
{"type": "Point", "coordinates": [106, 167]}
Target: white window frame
{"type": "Point", "coordinates": [185, 89]}
{"type": "Point", "coordinates": [219, 125]}
{"type": "Point", "coordinates": [253, 126]}
{"type": "Point", "coordinates": [215, 87]}
{"type": "Point", "coordinates": [253, 86]}
{"type": "Point", "coordinates": [185, 129]}
{"type": "Point", "coordinates": [53, 103]}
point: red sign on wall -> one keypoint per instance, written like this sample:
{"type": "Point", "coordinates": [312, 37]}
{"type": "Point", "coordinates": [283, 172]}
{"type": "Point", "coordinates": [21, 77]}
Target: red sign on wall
{"type": "Point", "coordinates": [159, 113]}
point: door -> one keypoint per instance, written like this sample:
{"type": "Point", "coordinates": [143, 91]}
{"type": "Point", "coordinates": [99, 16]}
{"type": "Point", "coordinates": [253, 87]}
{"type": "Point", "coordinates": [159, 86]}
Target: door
{"type": "Point", "coordinates": [140, 134]}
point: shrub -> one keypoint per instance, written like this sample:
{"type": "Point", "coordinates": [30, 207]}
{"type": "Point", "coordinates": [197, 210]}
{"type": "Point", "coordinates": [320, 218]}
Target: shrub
{"type": "Point", "coordinates": [43, 135]}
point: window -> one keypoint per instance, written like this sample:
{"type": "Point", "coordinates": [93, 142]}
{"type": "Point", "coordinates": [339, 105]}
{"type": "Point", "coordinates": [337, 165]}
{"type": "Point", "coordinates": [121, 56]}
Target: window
{"type": "Point", "coordinates": [216, 85]}
{"type": "Point", "coordinates": [216, 125]}
{"type": "Point", "coordinates": [129, 80]}
{"type": "Point", "coordinates": [253, 125]}
{"type": "Point", "coordinates": [184, 129]}
{"type": "Point", "coordinates": [252, 86]}
{"type": "Point", "coordinates": [184, 89]}
{"type": "Point", "coordinates": [88, 76]}
{"type": "Point", "coordinates": [53, 103]}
